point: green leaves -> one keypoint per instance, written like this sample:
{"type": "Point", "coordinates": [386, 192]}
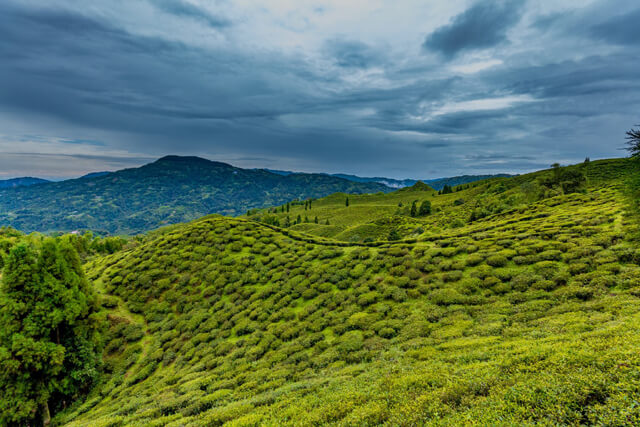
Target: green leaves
{"type": "Point", "coordinates": [48, 331]}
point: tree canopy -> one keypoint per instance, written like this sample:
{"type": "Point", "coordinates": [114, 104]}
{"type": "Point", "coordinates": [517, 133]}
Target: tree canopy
{"type": "Point", "coordinates": [633, 143]}
{"type": "Point", "coordinates": [49, 331]}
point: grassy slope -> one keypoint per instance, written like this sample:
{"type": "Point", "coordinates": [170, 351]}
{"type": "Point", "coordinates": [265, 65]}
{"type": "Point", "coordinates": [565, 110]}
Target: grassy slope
{"type": "Point", "coordinates": [373, 216]}
{"type": "Point", "coordinates": [528, 316]}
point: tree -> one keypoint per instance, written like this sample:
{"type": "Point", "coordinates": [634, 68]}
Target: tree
{"type": "Point", "coordinates": [425, 208]}
{"type": "Point", "coordinates": [326, 222]}
{"type": "Point", "coordinates": [49, 332]}
{"type": "Point", "coordinates": [556, 171]}
{"type": "Point", "coordinates": [315, 220]}
{"type": "Point", "coordinates": [346, 202]}
{"type": "Point", "coordinates": [414, 209]}
{"type": "Point", "coordinates": [288, 207]}
{"type": "Point", "coordinates": [633, 143]}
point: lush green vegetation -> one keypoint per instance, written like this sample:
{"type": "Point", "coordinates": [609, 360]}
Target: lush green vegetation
{"type": "Point", "coordinates": [170, 190]}
{"type": "Point", "coordinates": [372, 217]}
{"type": "Point", "coordinates": [527, 315]}
{"type": "Point", "coordinates": [49, 331]}
{"type": "Point", "coordinates": [517, 306]}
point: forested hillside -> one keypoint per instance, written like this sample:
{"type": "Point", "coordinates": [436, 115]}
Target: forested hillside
{"type": "Point", "coordinates": [171, 190]}
{"type": "Point", "coordinates": [526, 315]}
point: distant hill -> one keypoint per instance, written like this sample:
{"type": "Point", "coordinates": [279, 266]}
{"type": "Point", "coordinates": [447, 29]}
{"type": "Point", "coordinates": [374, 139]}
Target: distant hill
{"type": "Point", "coordinates": [454, 181]}
{"type": "Point", "coordinates": [437, 183]}
{"type": "Point", "coordinates": [170, 190]}
{"type": "Point", "coordinates": [95, 174]}
{"type": "Point", "coordinates": [21, 182]}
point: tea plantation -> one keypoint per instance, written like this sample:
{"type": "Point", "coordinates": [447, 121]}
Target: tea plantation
{"type": "Point", "coordinates": [518, 306]}
{"type": "Point", "coordinates": [525, 316]}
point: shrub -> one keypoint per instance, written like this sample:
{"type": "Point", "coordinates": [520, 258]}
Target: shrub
{"type": "Point", "coordinates": [497, 261]}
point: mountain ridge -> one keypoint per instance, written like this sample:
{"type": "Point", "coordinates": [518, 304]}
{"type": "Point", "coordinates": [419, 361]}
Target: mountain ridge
{"type": "Point", "coordinates": [169, 190]}
{"type": "Point", "coordinates": [24, 181]}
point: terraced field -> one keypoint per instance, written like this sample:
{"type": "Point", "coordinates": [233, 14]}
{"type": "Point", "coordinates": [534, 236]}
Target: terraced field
{"type": "Point", "coordinates": [527, 315]}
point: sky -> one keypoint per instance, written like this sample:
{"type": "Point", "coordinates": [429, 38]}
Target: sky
{"type": "Point", "coordinates": [402, 89]}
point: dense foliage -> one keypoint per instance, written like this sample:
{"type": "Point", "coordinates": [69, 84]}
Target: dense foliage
{"type": "Point", "coordinates": [170, 190]}
{"type": "Point", "coordinates": [49, 338]}
{"type": "Point", "coordinates": [525, 316]}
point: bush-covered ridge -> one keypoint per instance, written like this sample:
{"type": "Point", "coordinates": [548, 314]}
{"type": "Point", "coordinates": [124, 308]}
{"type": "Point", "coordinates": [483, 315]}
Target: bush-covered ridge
{"type": "Point", "coordinates": [372, 217]}
{"type": "Point", "coordinates": [525, 316]}
{"type": "Point", "coordinates": [171, 190]}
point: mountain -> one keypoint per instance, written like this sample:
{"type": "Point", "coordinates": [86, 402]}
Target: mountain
{"type": "Point", "coordinates": [95, 174]}
{"type": "Point", "coordinates": [524, 315]}
{"type": "Point", "coordinates": [170, 190]}
{"type": "Point", "coordinates": [437, 183]}
{"type": "Point", "coordinates": [21, 182]}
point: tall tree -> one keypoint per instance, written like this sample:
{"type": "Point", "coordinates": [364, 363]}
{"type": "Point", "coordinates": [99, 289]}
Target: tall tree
{"type": "Point", "coordinates": [49, 332]}
{"type": "Point", "coordinates": [346, 201]}
{"type": "Point", "coordinates": [633, 143]}
{"type": "Point", "coordinates": [414, 209]}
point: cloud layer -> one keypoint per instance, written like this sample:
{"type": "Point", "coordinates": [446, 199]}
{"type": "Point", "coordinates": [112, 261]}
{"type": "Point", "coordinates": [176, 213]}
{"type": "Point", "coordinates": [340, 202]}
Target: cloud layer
{"type": "Point", "coordinates": [361, 87]}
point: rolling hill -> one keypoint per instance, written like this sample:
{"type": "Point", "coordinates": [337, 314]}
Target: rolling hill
{"type": "Point", "coordinates": [521, 317]}
{"type": "Point", "coordinates": [523, 312]}
{"type": "Point", "coordinates": [371, 217]}
{"type": "Point", "coordinates": [170, 190]}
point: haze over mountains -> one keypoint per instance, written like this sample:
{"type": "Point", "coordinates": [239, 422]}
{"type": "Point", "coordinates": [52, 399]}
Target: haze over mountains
{"type": "Point", "coordinates": [436, 184]}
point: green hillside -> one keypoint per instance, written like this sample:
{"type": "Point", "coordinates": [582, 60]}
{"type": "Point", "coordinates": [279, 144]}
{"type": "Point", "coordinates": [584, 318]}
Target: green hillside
{"type": "Point", "coordinates": [371, 217]}
{"type": "Point", "coordinates": [170, 190]}
{"type": "Point", "coordinates": [524, 316]}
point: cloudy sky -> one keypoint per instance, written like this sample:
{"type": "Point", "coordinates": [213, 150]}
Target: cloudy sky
{"type": "Point", "coordinates": [411, 88]}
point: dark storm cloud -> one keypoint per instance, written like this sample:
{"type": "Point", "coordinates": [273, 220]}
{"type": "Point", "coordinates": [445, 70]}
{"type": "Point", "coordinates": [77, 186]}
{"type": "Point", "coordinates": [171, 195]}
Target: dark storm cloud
{"type": "Point", "coordinates": [482, 26]}
{"type": "Point", "coordinates": [621, 29]}
{"type": "Point", "coordinates": [97, 87]}
{"type": "Point", "coordinates": [188, 10]}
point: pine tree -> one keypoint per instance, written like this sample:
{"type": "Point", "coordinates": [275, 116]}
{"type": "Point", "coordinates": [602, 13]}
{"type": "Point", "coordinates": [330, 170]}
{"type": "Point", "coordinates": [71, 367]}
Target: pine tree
{"type": "Point", "coordinates": [326, 222]}
{"type": "Point", "coordinates": [346, 202]}
{"type": "Point", "coordinates": [315, 220]}
{"type": "Point", "coordinates": [414, 209]}
{"type": "Point", "coordinates": [288, 207]}
{"type": "Point", "coordinates": [49, 342]}
{"type": "Point", "coordinates": [298, 220]}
